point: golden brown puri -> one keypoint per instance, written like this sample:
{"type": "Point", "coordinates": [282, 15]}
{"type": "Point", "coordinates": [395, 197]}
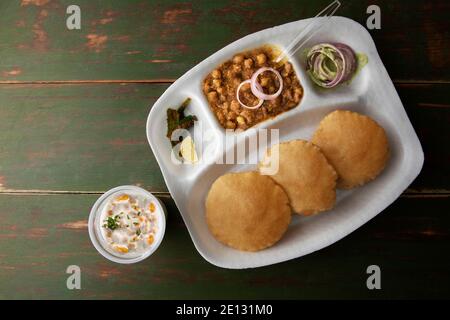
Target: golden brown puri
{"type": "Point", "coordinates": [305, 174]}
{"type": "Point", "coordinates": [247, 211]}
{"type": "Point", "coordinates": [355, 145]}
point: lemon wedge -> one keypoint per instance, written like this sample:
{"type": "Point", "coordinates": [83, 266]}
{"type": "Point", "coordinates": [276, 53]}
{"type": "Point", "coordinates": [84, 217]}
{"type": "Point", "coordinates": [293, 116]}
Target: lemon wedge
{"type": "Point", "coordinates": [187, 150]}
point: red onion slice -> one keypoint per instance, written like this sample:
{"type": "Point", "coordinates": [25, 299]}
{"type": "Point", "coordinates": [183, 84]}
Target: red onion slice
{"type": "Point", "coordinates": [261, 101]}
{"type": "Point", "coordinates": [257, 89]}
{"type": "Point", "coordinates": [350, 59]}
{"type": "Point", "coordinates": [340, 55]}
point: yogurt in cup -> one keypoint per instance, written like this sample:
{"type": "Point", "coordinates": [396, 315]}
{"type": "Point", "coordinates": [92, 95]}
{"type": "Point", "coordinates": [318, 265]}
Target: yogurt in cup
{"type": "Point", "coordinates": [127, 224]}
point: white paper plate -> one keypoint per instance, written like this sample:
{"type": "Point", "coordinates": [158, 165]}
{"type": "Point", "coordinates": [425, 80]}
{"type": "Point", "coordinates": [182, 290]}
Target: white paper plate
{"type": "Point", "coordinates": [371, 93]}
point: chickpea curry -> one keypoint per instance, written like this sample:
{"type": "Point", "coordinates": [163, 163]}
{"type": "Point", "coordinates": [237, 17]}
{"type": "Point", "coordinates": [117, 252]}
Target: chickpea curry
{"type": "Point", "coordinates": [241, 92]}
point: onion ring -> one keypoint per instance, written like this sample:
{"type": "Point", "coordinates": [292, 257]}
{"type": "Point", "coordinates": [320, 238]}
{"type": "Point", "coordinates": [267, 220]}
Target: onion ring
{"type": "Point", "coordinates": [342, 57]}
{"type": "Point", "coordinates": [261, 101]}
{"type": "Point", "coordinates": [257, 89]}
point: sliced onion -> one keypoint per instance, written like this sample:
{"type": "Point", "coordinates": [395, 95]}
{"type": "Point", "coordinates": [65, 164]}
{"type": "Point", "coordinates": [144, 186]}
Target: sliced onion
{"type": "Point", "coordinates": [257, 89]}
{"type": "Point", "coordinates": [340, 55]}
{"type": "Point", "coordinates": [259, 104]}
{"type": "Point", "coordinates": [350, 62]}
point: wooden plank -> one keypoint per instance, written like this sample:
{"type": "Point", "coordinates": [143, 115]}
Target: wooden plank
{"type": "Point", "coordinates": [41, 236]}
{"type": "Point", "coordinates": [428, 108]}
{"type": "Point", "coordinates": [77, 137]}
{"type": "Point", "coordinates": [92, 137]}
{"type": "Point", "coordinates": [161, 39]}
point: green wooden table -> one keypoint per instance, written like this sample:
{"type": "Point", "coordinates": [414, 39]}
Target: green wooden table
{"type": "Point", "coordinates": [73, 106]}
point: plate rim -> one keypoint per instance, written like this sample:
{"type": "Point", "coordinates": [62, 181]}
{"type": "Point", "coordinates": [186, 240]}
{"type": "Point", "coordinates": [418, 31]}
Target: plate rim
{"type": "Point", "coordinates": [417, 164]}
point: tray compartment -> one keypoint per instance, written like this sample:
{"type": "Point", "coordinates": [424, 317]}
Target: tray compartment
{"type": "Point", "coordinates": [371, 93]}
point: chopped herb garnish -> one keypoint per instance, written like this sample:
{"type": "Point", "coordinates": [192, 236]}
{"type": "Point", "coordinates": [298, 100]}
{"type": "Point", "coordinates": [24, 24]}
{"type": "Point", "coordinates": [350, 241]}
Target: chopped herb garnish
{"type": "Point", "coordinates": [177, 120]}
{"type": "Point", "coordinates": [138, 232]}
{"type": "Point", "coordinates": [139, 213]}
{"type": "Point", "coordinates": [135, 223]}
{"type": "Point", "coordinates": [112, 223]}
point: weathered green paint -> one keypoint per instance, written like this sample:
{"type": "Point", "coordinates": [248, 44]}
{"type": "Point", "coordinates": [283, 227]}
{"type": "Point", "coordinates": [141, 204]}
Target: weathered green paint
{"type": "Point", "coordinates": [41, 235]}
{"type": "Point", "coordinates": [77, 137]}
{"type": "Point", "coordinates": [160, 39]}
{"type": "Point", "coordinates": [91, 137]}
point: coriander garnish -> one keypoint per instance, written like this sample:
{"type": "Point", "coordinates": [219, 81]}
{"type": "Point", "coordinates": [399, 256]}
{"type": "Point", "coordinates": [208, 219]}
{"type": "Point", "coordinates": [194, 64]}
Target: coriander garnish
{"type": "Point", "coordinates": [112, 223]}
{"type": "Point", "coordinates": [176, 119]}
